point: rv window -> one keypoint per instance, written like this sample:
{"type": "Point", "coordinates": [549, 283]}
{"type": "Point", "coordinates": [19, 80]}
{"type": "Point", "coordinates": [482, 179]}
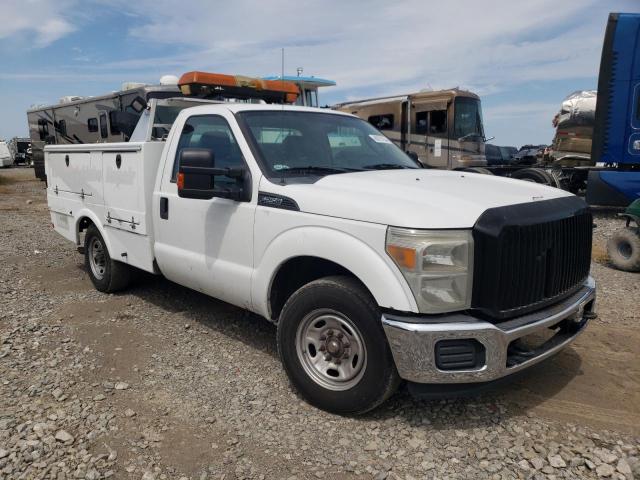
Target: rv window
{"type": "Point", "coordinates": [104, 133]}
{"type": "Point", "coordinates": [43, 129]}
{"type": "Point", "coordinates": [92, 124]}
{"type": "Point", "coordinates": [113, 124]}
{"type": "Point", "coordinates": [438, 123]}
{"type": "Point", "coordinates": [62, 128]}
{"type": "Point", "coordinates": [382, 122]}
{"type": "Point", "coordinates": [421, 125]}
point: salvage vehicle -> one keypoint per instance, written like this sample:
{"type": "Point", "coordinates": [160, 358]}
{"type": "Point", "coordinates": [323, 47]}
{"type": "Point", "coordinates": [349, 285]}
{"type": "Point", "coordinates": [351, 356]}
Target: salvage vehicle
{"type": "Point", "coordinates": [21, 149]}
{"type": "Point", "coordinates": [375, 270]}
{"type": "Point", "coordinates": [6, 160]}
{"type": "Point", "coordinates": [623, 247]}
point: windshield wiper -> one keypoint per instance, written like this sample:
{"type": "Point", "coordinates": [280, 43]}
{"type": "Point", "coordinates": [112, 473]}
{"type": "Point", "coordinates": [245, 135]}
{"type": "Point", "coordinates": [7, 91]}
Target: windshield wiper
{"type": "Point", "coordinates": [385, 166]}
{"type": "Point", "coordinates": [314, 169]}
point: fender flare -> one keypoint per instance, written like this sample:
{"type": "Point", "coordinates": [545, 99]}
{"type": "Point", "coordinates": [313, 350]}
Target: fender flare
{"type": "Point", "coordinates": [379, 275]}
{"type": "Point", "coordinates": [87, 213]}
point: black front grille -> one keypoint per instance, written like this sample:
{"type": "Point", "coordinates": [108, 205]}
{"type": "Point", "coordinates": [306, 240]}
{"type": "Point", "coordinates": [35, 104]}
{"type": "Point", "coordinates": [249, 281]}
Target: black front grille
{"type": "Point", "coordinates": [530, 255]}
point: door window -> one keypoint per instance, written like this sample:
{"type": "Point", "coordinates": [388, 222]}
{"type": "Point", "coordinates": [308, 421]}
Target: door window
{"type": "Point", "coordinates": [104, 133]}
{"type": "Point", "coordinates": [421, 125]}
{"type": "Point", "coordinates": [438, 122]}
{"type": "Point", "coordinates": [213, 133]}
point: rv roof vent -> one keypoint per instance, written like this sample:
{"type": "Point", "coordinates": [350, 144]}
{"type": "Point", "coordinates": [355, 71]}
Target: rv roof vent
{"type": "Point", "coordinates": [168, 80]}
{"type": "Point", "coordinates": [132, 85]}
{"type": "Point", "coordinates": [70, 98]}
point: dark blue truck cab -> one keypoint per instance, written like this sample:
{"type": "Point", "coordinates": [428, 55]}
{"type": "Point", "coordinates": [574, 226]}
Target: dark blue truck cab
{"type": "Point", "coordinates": [616, 137]}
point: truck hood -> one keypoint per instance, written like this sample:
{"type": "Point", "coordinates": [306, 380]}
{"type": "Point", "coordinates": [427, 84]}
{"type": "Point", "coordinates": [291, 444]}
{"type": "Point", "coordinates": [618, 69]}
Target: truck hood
{"type": "Point", "coordinates": [412, 198]}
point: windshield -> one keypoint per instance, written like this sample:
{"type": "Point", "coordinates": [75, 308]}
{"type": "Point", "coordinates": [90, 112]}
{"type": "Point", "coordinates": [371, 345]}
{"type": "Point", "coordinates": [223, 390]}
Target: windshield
{"type": "Point", "coordinates": [468, 118]}
{"type": "Point", "coordinates": [310, 144]}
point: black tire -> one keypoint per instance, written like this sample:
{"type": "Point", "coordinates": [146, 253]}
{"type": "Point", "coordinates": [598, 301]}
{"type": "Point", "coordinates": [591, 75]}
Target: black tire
{"type": "Point", "coordinates": [345, 296]}
{"type": "Point", "coordinates": [624, 249]}
{"type": "Point", "coordinates": [536, 175]}
{"type": "Point", "coordinates": [112, 276]}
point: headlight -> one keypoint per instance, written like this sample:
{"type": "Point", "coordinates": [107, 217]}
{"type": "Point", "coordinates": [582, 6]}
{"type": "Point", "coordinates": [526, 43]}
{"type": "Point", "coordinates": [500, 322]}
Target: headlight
{"type": "Point", "coordinates": [437, 264]}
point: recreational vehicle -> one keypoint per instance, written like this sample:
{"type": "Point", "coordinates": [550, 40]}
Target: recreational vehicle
{"type": "Point", "coordinates": [442, 128]}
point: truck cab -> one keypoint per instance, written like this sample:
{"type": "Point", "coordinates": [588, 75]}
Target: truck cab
{"type": "Point", "coordinates": [374, 270]}
{"type": "Point", "coordinates": [616, 136]}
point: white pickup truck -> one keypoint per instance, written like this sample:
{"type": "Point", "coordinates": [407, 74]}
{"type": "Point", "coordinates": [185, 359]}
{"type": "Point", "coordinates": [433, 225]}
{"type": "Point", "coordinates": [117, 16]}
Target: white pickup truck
{"type": "Point", "coordinates": [374, 270]}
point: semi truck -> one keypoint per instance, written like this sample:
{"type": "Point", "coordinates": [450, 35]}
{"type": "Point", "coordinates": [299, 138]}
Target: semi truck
{"type": "Point", "coordinates": [375, 270]}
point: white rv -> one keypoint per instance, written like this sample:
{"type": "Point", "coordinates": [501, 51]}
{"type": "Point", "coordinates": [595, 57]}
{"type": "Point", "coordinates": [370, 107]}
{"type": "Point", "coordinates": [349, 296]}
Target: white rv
{"type": "Point", "coordinates": [6, 159]}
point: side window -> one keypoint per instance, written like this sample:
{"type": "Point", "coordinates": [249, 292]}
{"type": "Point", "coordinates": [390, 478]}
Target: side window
{"type": "Point", "coordinates": [438, 122]}
{"type": "Point", "coordinates": [43, 129]}
{"type": "Point", "coordinates": [213, 133]}
{"type": "Point", "coordinates": [104, 133]}
{"type": "Point", "coordinates": [92, 124]}
{"type": "Point", "coordinates": [62, 128]}
{"type": "Point", "coordinates": [113, 124]}
{"type": "Point", "coordinates": [421, 125]}
{"type": "Point", "coordinates": [382, 122]}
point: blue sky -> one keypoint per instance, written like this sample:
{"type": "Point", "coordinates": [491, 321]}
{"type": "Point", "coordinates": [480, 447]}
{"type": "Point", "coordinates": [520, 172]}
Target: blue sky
{"type": "Point", "coordinates": [522, 58]}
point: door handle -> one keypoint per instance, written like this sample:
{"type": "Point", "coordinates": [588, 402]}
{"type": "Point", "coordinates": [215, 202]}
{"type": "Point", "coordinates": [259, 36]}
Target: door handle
{"type": "Point", "coordinates": [164, 208]}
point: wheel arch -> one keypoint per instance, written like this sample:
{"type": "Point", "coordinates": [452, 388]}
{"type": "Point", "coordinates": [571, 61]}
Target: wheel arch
{"type": "Point", "coordinates": [84, 220]}
{"type": "Point", "coordinates": [314, 252]}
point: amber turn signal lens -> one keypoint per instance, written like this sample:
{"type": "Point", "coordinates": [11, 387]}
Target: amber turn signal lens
{"type": "Point", "coordinates": [404, 257]}
{"type": "Point", "coordinates": [180, 181]}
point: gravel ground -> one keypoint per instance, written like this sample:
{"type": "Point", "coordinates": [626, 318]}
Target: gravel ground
{"type": "Point", "coordinates": [164, 383]}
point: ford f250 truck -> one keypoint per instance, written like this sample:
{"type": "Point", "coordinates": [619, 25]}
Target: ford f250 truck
{"type": "Point", "coordinates": [374, 270]}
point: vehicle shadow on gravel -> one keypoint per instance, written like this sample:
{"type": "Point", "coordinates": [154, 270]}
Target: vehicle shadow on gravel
{"type": "Point", "coordinates": [239, 324]}
{"type": "Point", "coordinates": [513, 396]}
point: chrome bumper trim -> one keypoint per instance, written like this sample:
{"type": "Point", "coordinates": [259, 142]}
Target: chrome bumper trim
{"type": "Point", "coordinates": [413, 340]}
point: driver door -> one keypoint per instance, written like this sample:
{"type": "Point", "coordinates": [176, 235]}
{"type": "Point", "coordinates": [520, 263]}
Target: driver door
{"type": "Point", "coordinates": [206, 245]}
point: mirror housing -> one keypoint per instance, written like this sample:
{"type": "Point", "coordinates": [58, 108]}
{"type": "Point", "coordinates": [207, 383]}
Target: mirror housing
{"type": "Point", "coordinates": [138, 104]}
{"type": "Point", "coordinates": [197, 172]}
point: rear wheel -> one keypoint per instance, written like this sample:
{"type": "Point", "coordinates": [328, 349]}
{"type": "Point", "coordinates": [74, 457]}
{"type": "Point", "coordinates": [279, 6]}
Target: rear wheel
{"type": "Point", "coordinates": [624, 249]}
{"type": "Point", "coordinates": [536, 175]}
{"type": "Point", "coordinates": [106, 274]}
{"type": "Point", "coordinates": [333, 348]}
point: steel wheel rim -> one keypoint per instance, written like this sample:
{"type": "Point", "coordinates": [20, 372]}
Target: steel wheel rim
{"type": "Point", "coordinates": [331, 350]}
{"type": "Point", "coordinates": [97, 259]}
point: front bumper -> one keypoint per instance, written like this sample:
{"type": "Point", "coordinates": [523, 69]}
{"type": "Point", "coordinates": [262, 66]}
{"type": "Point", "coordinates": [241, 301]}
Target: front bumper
{"type": "Point", "coordinates": [413, 340]}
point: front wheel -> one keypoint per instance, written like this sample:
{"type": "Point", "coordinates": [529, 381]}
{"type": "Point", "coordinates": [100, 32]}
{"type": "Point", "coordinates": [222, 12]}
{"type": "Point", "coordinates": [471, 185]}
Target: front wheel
{"type": "Point", "coordinates": [106, 274]}
{"type": "Point", "coordinates": [333, 348]}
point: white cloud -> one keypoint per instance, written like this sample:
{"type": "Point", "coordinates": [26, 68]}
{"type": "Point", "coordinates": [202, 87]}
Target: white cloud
{"type": "Point", "coordinates": [380, 46]}
{"type": "Point", "coordinates": [41, 22]}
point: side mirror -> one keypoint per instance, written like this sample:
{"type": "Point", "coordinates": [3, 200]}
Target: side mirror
{"type": "Point", "coordinates": [197, 172]}
{"type": "Point", "coordinates": [138, 104]}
